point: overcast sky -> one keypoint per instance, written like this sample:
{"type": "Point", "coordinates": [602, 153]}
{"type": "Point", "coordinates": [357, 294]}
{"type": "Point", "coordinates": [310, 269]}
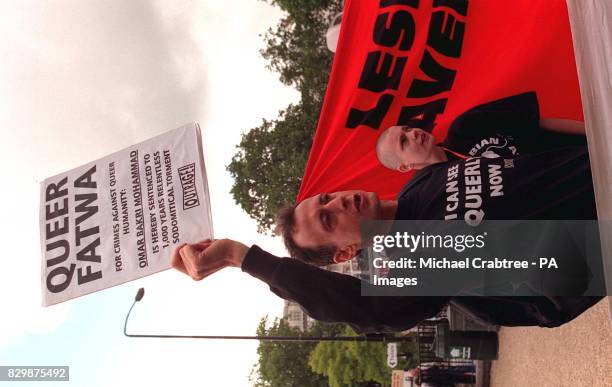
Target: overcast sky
{"type": "Point", "coordinates": [82, 79]}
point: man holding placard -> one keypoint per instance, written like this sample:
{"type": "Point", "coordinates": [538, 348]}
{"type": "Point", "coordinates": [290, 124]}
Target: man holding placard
{"type": "Point", "coordinates": [326, 229]}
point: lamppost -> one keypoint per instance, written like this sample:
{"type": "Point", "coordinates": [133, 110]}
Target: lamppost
{"type": "Point", "coordinates": [370, 338]}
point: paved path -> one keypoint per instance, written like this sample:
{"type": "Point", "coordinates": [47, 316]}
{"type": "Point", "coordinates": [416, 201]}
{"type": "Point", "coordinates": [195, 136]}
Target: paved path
{"type": "Point", "coordinates": [576, 354]}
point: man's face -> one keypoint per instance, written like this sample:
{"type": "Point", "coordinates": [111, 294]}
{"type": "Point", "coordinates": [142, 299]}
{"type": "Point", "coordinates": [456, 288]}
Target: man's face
{"type": "Point", "coordinates": [411, 147]}
{"type": "Point", "coordinates": [334, 218]}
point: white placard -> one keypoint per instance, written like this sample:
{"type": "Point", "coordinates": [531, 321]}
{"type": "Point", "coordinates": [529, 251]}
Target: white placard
{"type": "Point", "coordinates": [119, 218]}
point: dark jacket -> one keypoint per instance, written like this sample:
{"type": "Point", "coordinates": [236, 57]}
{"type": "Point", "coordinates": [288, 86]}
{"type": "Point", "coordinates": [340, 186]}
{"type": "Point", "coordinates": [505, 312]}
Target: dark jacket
{"type": "Point", "coordinates": [557, 184]}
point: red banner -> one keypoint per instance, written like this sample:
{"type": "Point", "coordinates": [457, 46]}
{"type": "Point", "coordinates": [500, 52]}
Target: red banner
{"type": "Point", "coordinates": [424, 62]}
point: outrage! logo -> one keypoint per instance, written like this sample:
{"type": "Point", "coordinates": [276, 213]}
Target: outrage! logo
{"type": "Point", "coordinates": [188, 184]}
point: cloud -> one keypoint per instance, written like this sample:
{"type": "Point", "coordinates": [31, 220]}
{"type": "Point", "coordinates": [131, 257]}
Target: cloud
{"type": "Point", "coordinates": [79, 81]}
{"type": "Point", "coordinates": [87, 78]}
{"type": "Point", "coordinates": [110, 68]}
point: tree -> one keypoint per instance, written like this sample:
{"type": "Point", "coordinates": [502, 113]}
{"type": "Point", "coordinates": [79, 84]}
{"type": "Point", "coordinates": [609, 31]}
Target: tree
{"type": "Point", "coordinates": [270, 161]}
{"type": "Point", "coordinates": [285, 364]}
{"type": "Point", "coordinates": [345, 363]}
{"type": "Point", "coordinates": [268, 167]}
{"type": "Point", "coordinates": [297, 50]}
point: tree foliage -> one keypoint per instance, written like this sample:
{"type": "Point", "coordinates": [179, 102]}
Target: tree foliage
{"type": "Point", "coordinates": [270, 160]}
{"type": "Point", "coordinates": [268, 167]}
{"type": "Point", "coordinates": [336, 364]}
{"type": "Point", "coordinates": [347, 363]}
{"type": "Point", "coordinates": [285, 364]}
{"type": "Point", "coordinates": [296, 48]}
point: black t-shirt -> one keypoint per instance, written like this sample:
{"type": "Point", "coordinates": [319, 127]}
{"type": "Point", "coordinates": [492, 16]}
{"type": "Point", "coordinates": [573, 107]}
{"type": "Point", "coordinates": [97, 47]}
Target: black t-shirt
{"type": "Point", "coordinates": [550, 185]}
{"type": "Point", "coordinates": [506, 127]}
{"type": "Point", "coordinates": [553, 185]}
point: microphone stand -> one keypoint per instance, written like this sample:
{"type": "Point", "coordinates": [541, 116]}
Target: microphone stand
{"type": "Point", "coordinates": [378, 337]}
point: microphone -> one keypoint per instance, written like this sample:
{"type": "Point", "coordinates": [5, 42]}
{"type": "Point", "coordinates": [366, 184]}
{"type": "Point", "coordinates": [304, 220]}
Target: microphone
{"type": "Point", "coordinates": [368, 337]}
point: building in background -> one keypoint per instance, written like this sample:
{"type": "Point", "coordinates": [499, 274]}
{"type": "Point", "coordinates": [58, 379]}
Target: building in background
{"type": "Point", "coordinates": [295, 316]}
{"type": "Point", "coordinates": [350, 267]}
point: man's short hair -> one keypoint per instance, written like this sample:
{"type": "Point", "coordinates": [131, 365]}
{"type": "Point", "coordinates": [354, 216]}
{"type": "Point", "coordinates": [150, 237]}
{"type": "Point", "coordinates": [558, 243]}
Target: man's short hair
{"type": "Point", "coordinates": [387, 159]}
{"type": "Point", "coordinates": [285, 226]}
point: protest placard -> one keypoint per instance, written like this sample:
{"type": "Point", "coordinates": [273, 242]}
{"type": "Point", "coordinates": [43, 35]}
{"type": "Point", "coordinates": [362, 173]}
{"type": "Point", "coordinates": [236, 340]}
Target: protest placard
{"type": "Point", "coordinates": [118, 218]}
